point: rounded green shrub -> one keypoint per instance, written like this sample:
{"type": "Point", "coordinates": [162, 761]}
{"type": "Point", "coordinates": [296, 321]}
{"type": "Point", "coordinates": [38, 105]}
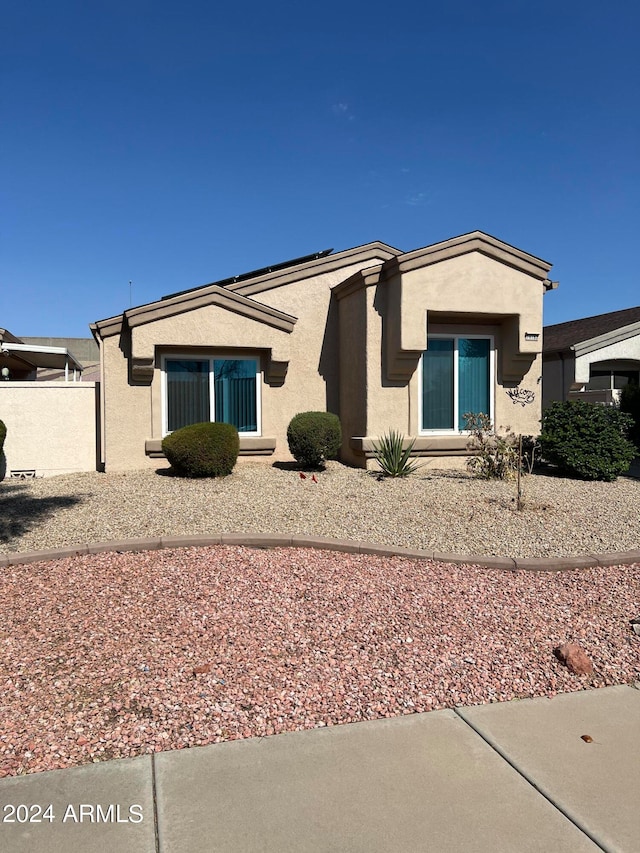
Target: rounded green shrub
{"type": "Point", "coordinates": [314, 437]}
{"type": "Point", "coordinates": [202, 450]}
{"type": "Point", "coordinates": [3, 434]}
{"type": "Point", "coordinates": [586, 440]}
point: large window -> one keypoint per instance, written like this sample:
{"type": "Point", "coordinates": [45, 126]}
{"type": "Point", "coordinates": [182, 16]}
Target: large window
{"type": "Point", "coordinates": [455, 378]}
{"type": "Point", "coordinates": [613, 378]}
{"type": "Point", "coordinates": [211, 389]}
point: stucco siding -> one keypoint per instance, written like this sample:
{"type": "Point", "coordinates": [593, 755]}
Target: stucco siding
{"type": "Point", "coordinates": [133, 411]}
{"type": "Point", "coordinates": [128, 412]}
{"type": "Point", "coordinates": [355, 352]}
{"type": "Point", "coordinates": [353, 319]}
{"type": "Point", "coordinates": [487, 285]}
{"type": "Point", "coordinates": [626, 350]}
{"type": "Point", "coordinates": [387, 399]}
{"type": "Point", "coordinates": [521, 414]}
{"type": "Point", "coordinates": [208, 326]}
{"type": "Point", "coordinates": [51, 427]}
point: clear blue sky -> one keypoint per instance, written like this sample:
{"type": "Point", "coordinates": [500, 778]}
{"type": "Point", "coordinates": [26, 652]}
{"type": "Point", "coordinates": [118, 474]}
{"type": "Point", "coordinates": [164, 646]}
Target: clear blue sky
{"type": "Point", "coordinates": [173, 144]}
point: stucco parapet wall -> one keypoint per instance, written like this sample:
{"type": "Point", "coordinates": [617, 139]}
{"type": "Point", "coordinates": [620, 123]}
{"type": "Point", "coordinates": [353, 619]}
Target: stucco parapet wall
{"type": "Point", "coordinates": [274, 540]}
{"type": "Point", "coordinates": [476, 241]}
{"type": "Point", "coordinates": [249, 446]}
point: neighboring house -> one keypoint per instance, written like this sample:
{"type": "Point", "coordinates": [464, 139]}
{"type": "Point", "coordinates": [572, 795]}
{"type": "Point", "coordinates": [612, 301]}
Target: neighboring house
{"type": "Point", "coordinates": [85, 351]}
{"type": "Point", "coordinates": [21, 360]}
{"type": "Point", "coordinates": [51, 423]}
{"type": "Point", "coordinates": [593, 358]}
{"type": "Point", "coordinates": [385, 339]}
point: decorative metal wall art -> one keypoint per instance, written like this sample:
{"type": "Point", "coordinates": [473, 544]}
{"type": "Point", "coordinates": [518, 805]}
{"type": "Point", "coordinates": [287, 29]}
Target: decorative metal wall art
{"type": "Point", "coordinates": [521, 395]}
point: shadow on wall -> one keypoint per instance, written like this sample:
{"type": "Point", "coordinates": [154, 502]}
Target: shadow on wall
{"type": "Point", "coordinates": [20, 511]}
{"type": "Point", "coordinates": [329, 365]}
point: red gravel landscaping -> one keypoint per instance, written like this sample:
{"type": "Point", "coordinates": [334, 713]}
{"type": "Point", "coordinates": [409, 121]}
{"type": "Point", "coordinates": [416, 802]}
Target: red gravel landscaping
{"type": "Point", "coordinates": [116, 655]}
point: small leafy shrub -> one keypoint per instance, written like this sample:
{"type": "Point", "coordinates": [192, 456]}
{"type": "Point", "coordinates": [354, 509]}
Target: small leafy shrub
{"type": "Point", "coordinates": [3, 435]}
{"type": "Point", "coordinates": [587, 440]}
{"type": "Point", "coordinates": [496, 456]}
{"type": "Point", "coordinates": [203, 450]}
{"type": "Point", "coordinates": [314, 437]}
{"type": "Point", "coordinates": [393, 460]}
{"type": "Point", "coordinates": [630, 403]}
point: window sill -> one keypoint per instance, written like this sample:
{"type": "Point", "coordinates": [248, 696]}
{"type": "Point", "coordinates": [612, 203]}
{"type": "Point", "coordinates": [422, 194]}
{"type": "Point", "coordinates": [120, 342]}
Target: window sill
{"type": "Point", "coordinates": [425, 445]}
{"type": "Point", "coordinates": [250, 445]}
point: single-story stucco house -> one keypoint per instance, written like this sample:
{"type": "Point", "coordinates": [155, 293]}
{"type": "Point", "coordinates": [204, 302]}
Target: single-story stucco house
{"type": "Point", "coordinates": [592, 358]}
{"type": "Point", "coordinates": [386, 339]}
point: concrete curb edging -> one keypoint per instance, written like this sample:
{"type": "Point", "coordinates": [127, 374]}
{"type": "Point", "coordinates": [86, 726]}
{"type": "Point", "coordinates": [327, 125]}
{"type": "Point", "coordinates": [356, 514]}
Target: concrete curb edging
{"type": "Point", "coordinates": [347, 546]}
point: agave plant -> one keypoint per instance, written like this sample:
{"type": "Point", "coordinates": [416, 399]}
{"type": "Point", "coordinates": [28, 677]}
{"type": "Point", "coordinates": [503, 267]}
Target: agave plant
{"type": "Point", "coordinates": [392, 458]}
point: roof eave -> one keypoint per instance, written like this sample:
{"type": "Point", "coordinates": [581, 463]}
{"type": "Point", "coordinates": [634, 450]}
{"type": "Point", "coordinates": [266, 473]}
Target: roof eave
{"type": "Point", "coordinates": [607, 339]}
{"type": "Point", "coordinates": [375, 251]}
{"type": "Point", "coordinates": [368, 277]}
{"type": "Point", "coordinates": [475, 241]}
{"type": "Point", "coordinates": [57, 357]}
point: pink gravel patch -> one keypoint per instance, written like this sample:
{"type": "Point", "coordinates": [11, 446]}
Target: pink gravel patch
{"type": "Point", "coordinates": [114, 655]}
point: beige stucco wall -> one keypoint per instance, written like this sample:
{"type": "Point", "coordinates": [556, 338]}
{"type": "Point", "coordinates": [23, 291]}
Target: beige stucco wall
{"type": "Point", "coordinates": [314, 371]}
{"type": "Point", "coordinates": [354, 319]}
{"type": "Point", "coordinates": [128, 413]}
{"type": "Point", "coordinates": [464, 295]}
{"type": "Point", "coordinates": [133, 412]}
{"type": "Point", "coordinates": [337, 351]}
{"type": "Point", "coordinates": [51, 426]}
{"type": "Point", "coordinates": [394, 405]}
{"type": "Point", "coordinates": [473, 284]}
{"type": "Point", "coordinates": [209, 326]}
{"type": "Point", "coordinates": [196, 333]}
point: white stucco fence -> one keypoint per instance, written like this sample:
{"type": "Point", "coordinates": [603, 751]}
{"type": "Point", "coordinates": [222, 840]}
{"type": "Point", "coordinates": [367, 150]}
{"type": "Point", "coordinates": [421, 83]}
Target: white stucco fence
{"type": "Point", "coordinates": [51, 427]}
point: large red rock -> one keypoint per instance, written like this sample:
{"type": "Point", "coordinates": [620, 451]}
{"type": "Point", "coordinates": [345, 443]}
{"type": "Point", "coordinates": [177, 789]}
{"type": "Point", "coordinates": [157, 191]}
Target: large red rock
{"type": "Point", "coordinates": [574, 658]}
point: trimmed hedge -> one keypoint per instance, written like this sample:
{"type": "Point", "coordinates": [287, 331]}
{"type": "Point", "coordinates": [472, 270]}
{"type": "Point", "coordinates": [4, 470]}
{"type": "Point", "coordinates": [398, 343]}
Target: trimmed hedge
{"type": "Point", "coordinates": [314, 437]}
{"type": "Point", "coordinates": [586, 440]}
{"type": "Point", "coordinates": [203, 450]}
{"type": "Point", "coordinates": [3, 434]}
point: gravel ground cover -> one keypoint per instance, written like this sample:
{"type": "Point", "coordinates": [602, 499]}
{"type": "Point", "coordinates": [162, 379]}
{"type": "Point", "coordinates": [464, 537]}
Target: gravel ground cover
{"type": "Point", "coordinates": [115, 655]}
{"type": "Point", "coordinates": [449, 512]}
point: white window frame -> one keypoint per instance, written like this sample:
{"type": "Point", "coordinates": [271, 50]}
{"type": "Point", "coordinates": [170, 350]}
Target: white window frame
{"type": "Point", "coordinates": [221, 356]}
{"type": "Point", "coordinates": [456, 414]}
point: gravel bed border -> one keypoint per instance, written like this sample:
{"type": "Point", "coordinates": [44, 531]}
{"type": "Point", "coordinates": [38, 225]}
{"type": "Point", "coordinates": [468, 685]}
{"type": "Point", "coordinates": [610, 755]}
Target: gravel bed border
{"type": "Point", "coordinates": [347, 546]}
{"type": "Point", "coordinates": [114, 655]}
{"type": "Point", "coordinates": [432, 512]}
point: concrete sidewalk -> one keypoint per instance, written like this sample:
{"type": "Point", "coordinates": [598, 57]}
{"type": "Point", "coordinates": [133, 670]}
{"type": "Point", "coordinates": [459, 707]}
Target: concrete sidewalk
{"type": "Point", "coordinates": [514, 776]}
